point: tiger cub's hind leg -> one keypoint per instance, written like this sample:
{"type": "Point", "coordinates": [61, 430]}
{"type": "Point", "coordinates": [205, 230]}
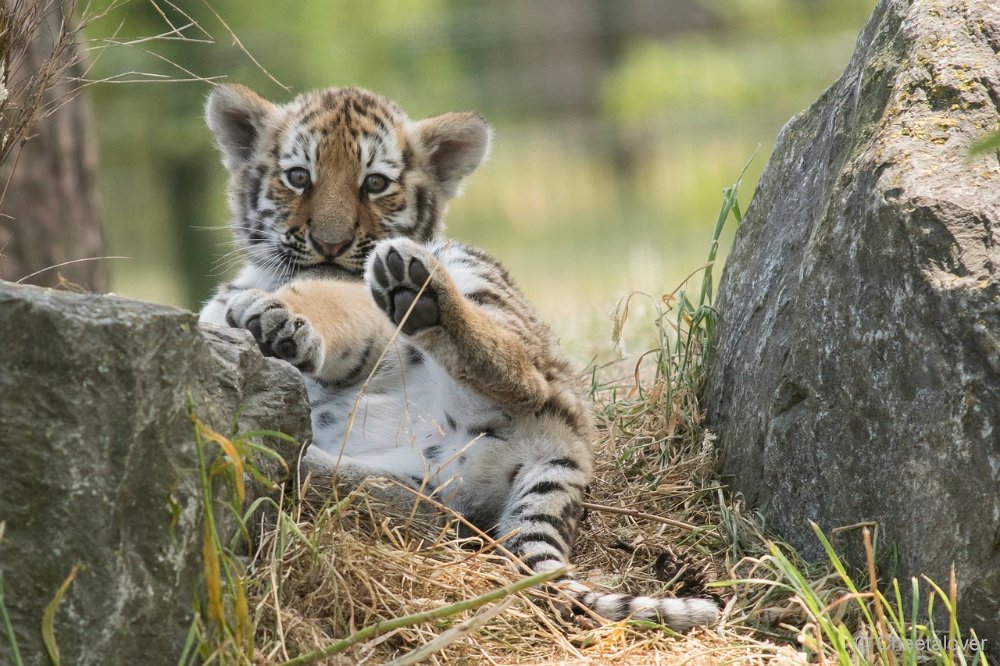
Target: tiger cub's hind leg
{"type": "Point", "coordinates": [542, 513]}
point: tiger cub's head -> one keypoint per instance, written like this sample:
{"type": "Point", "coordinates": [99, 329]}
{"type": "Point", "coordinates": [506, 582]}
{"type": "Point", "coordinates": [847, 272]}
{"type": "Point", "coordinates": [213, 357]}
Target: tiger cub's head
{"type": "Point", "coordinates": [314, 183]}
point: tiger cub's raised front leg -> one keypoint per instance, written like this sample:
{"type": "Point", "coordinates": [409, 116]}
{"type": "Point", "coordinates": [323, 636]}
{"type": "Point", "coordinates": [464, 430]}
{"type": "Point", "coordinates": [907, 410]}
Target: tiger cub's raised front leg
{"type": "Point", "coordinates": [327, 329]}
{"type": "Point", "coordinates": [460, 306]}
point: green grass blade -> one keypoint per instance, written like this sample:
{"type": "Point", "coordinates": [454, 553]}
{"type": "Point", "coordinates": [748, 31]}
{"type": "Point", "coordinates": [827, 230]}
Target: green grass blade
{"type": "Point", "coordinates": [841, 570]}
{"type": "Point", "coordinates": [189, 652]}
{"type": "Point", "coordinates": [11, 638]}
{"type": "Point", "coordinates": [730, 204]}
{"type": "Point", "coordinates": [914, 612]}
{"type": "Point", "coordinates": [980, 655]}
{"type": "Point", "coordinates": [737, 212]}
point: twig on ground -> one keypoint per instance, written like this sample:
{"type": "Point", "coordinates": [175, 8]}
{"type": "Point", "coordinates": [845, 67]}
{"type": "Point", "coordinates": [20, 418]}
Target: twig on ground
{"type": "Point", "coordinates": [639, 514]}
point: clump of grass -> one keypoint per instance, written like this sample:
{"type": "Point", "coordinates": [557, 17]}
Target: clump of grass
{"type": "Point", "coordinates": [871, 624]}
{"type": "Point", "coordinates": [684, 323]}
{"type": "Point", "coordinates": [222, 630]}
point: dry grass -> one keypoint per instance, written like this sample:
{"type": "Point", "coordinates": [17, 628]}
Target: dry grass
{"type": "Point", "coordinates": [322, 576]}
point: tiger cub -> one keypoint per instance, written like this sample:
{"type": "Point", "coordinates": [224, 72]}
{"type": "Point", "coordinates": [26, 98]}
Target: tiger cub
{"type": "Point", "coordinates": [422, 358]}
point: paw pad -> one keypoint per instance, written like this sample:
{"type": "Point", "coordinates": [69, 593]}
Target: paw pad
{"type": "Point", "coordinates": [397, 277]}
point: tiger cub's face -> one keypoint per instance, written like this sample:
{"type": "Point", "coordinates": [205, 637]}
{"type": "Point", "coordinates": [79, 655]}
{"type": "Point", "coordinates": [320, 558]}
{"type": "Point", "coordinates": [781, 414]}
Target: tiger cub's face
{"type": "Point", "coordinates": [314, 183]}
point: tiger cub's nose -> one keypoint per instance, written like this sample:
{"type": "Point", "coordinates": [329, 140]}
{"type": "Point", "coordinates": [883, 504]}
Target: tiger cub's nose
{"type": "Point", "coordinates": [330, 250]}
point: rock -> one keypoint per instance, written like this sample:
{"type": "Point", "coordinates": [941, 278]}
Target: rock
{"type": "Point", "coordinates": [99, 460]}
{"type": "Point", "coordinates": [856, 375]}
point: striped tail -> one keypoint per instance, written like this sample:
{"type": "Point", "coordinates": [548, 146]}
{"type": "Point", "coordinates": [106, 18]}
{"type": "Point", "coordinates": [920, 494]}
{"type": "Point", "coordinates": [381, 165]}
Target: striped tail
{"type": "Point", "coordinates": [543, 510]}
{"type": "Point", "coordinates": [682, 614]}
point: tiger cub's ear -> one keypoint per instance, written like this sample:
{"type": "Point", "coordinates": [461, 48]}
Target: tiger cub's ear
{"type": "Point", "coordinates": [236, 115]}
{"type": "Point", "coordinates": [454, 145]}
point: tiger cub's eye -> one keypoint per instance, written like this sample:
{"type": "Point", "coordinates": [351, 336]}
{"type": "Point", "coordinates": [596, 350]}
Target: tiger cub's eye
{"type": "Point", "coordinates": [376, 183]}
{"type": "Point", "coordinates": [298, 177]}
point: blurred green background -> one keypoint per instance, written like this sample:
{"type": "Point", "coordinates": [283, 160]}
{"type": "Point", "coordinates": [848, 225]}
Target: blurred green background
{"type": "Point", "coordinates": [618, 123]}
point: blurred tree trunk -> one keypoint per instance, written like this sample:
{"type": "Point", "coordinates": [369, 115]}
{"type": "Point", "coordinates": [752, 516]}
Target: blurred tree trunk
{"type": "Point", "coordinates": [50, 209]}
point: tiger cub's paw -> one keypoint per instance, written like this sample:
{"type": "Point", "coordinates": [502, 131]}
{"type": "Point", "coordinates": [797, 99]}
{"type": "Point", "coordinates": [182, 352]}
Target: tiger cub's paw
{"type": "Point", "coordinates": [279, 332]}
{"type": "Point", "coordinates": [396, 274]}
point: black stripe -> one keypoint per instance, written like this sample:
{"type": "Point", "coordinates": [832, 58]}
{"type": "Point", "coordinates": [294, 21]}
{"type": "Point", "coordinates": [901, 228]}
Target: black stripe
{"type": "Point", "coordinates": [532, 560]}
{"type": "Point", "coordinates": [484, 258]}
{"type": "Point", "coordinates": [624, 607]}
{"type": "Point", "coordinates": [568, 511]}
{"type": "Point", "coordinates": [360, 106]}
{"type": "Point", "coordinates": [563, 462]}
{"type": "Point", "coordinates": [426, 214]}
{"type": "Point", "coordinates": [325, 399]}
{"type": "Point", "coordinates": [581, 608]}
{"type": "Point", "coordinates": [355, 373]}
{"type": "Point", "coordinates": [485, 431]}
{"type": "Point", "coordinates": [392, 204]}
{"type": "Point", "coordinates": [419, 209]}
{"type": "Point", "coordinates": [536, 537]}
{"type": "Point", "coordinates": [414, 355]}
{"type": "Point", "coordinates": [553, 407]}
{"type": "Point", "coordinates": [383, 128]}
{"type": "Point", "coordinates": [561, 526]}
{"type": "Point", "coordinates": [326, 419]}
{"type": "Point", "coordinates": [545, 488]}
{"type": "Point", "coordinates": [308, 116]}
{"type": "Point", "coordinates": [487, 297]}
{"type": "Point", "coordinates": [432, 452]}
{"type": "Point", "coordinates": [253, 190]}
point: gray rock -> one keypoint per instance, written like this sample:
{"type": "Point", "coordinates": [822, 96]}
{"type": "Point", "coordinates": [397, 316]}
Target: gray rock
{"type": "Point", "coordinates": [857, 370]}
{"type": "Point", "coordinates": [97, 447]}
